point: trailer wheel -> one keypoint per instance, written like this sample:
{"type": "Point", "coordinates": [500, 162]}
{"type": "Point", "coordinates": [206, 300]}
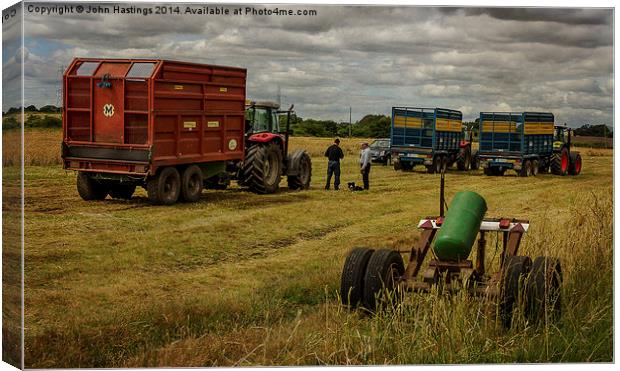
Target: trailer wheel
{"type": "Point", "coordinates": [352, 279]}
{"type": "Point", "coordinates": [526, 169]}
{"type": "Point", "coordinates": [475, 161]}
{"type": "Point", "coordinates": [165, 187]}
{"type": "Point", "coordinates": [397, 165]}
{"type": "Point", "coordinates": [543, 289]}
{"type": "Point", "coordinates": [262, 168]}
{"type": "Point", "coordinates": [575, 164]}
{"type": "Point", "coordinates": [436, 166]}
{"type": "Point", "coordinates": [90, 189]}
{"type": "Point", "coordinates": [515, 271]}
{"type": "Point", "coordinates": [122, 191]}
{"type": "Point", "coordinates": [463, 160]}
{"type": "Point", "coordinates": [407, 166]}
{"type": "Point", "coordinates": [384, 268]}
{"type": "Point", "coordinates": [535, 167]}
{"type": "Point", "coordinates": [304, 167]}
{"type": "Point", "coordinates": [191, 184]}
{"type": "Point", "coordinates": [559, 162]}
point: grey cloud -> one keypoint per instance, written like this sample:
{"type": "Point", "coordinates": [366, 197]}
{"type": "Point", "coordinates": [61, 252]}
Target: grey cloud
{"type": "Point", "coordinates": [559, 15]}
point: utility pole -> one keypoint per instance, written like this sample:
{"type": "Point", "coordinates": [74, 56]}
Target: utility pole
{"type": "Point", "coordinates": [350, 123]}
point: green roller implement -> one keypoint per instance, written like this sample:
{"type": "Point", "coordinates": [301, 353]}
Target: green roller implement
{"type": "Point", "coordinates": [460, 227]}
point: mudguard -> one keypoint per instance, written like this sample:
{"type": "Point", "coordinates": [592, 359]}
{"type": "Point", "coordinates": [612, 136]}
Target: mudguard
{"type": "Point", "coordinates": [293, 162]}
{"type": "Point", "coordinates": [264, 137]}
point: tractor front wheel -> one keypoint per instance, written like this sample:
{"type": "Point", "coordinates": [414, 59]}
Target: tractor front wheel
{"type": "Point", "coordinates": [352, 279]}
{"type": "Point", "coordinates": [165, 187]}
{"type": "Point", "coordinates": [300, 160]}
{"type": "Point", "coordinates": [90, 189]}
{"type": "Point", "coordinates": [575, 164]}
{"type": "Point", "coordinates": [262, 168]}
{"type": "Point", "coordinates": [384, 269]}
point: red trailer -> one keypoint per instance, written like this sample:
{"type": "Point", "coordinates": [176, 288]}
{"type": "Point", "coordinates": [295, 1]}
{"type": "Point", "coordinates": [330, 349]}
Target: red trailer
{"type": "Point", "coordinates": [171, 127]}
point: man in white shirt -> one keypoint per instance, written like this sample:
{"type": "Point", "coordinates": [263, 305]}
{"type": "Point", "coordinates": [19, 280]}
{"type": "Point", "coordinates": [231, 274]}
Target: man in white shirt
{"type": "Point", "coordinates": [365, 164]}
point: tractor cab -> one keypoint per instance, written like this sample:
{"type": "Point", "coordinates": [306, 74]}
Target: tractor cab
{"type": "Point", "coordinates": [561, 137]}
{"type": "Point", "coordinates": [261, 117]}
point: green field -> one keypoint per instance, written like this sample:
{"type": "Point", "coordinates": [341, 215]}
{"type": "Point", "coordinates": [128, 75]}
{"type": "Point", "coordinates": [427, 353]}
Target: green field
{"type": "Point", "coordinates": [246, 279]}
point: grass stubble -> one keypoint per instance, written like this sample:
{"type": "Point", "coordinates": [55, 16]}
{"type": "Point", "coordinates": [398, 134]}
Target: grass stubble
{"type": "Point", "coordinates": [245, 279]}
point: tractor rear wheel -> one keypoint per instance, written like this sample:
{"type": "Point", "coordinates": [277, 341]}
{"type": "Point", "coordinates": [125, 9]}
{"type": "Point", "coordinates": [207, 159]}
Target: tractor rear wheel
{"type": "Point", "coordinates": [543, 288]}
{"type": "Point", "coordinates": [122, 191]}
{"type": "Point", "coordinates": [514, 273]}
{"type": "Point", "coordinates": [463, 160]}
{"type": "Point", "coordinates": [575, 164]}
{"type": "Point", "coordinates": [165, 187]}
{"type": "Point", "coordinates": [384, 269]}
{"type": "Point", "coordinates": [191, 184]}
{"type": "Point", "coordinates": [475, 161]}
{"type": "Point", "coordinates": [262, 168]}
{"type": "Point", "coordinates": [301, 161]}
{"type": "Point", "coordinates": [90, 189]}
{"type": "Point", "coordinates": [352, 279]}
{"type": "Point", "coordinates": [559, 162]}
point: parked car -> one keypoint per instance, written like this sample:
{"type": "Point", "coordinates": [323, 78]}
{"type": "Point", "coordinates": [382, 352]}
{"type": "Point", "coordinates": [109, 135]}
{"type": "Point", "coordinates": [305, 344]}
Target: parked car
{"type": "Point", "coordinates": [380, 151]}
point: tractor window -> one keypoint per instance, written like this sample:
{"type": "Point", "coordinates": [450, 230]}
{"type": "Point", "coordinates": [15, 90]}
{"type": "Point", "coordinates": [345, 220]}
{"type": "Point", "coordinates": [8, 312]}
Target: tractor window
{"type": "Point", "coordinates": [260, 122]}
{"type": "Point", "coordinates": [275, 128]}
{"type": "Point", "coordinates": [559, 135]}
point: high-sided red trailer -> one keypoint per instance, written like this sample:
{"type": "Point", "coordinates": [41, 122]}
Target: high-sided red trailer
{"type": "Point", "coordinates": [171, 127]}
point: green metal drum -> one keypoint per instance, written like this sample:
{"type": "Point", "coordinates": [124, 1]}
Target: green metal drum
{"type": "Point", "coordinates": [460, 227]}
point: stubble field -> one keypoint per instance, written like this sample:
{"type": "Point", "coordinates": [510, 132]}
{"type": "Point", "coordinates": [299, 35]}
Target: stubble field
{"type": "Point", "coordinates": [245, 279]}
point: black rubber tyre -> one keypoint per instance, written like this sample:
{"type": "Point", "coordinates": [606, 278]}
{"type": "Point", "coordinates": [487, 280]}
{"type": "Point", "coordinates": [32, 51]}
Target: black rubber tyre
{"type": "Point", "coordinates": [475, 161]}
{"type": "Point", "coordinates": [463, 160]}
{"type": "Point", "coordinates": [384, 268]}
{"type": "Point", "coordinates": [526, 169]}
{"type": "Point", "coordinates": [165, 187]}
{"type": "Point", "coordinates": [191, 184]}
{"type": "Point", "coordinates": [574, 168]}
{"type": "Point", "coordinates": [543, 290]}
{"type": "Point", "coordinates": [514, 275]}
{"type": "Point", "coordinates": [560, 162]}
{"type": "Point", "coordinates": [122, 191]}
{"type": "Point", "coordinates": [352, 278]}
{"type": "Point", "coordinates": [535, 167]}
{"type": "Point", "coordinates": [304, 164]}
{"type": "Point", "coordinates": [262, 168]}
{"type": "Point", "coordinates": [90, 189]}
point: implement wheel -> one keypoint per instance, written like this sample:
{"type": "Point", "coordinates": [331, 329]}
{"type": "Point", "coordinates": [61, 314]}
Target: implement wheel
{"type": "Point", "coordinates": [191, 184]}
{"type": "Point", "coordinates": [560, 162]}
{"type": "Point", "coordinates": [514, 274]}
{"type": "Point", "coordinates": [543, 289]}
{"type": "Point", "coordinates": [262, 168]}
{"type": "Point", "coordinates": [165, 187]}
{"type": "Point", "coordinates": [90, 189]}
{"type": "Point", "coordinates": [526, 170]}
{"type": "Point", "coordinates": [575, 164]}
{"type": "Point", "coordinates": [352, 279]}
{"type": "Point", "coordinates": [384, 269]}
{"type": "Point", "coordinates": [301, 161]}
{"type": "Point", "coordinates": [122, 191]}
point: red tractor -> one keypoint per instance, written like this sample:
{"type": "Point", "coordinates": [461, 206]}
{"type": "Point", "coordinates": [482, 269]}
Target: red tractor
{"type": "Point", "coordinates": [266, 151]}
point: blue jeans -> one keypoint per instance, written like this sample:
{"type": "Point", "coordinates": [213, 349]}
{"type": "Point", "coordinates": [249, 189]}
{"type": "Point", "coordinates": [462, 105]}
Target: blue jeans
{"type": "Point", "coordinates": [333, 167]}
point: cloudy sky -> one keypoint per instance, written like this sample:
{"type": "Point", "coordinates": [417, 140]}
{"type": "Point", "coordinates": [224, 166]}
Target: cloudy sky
{"type": "Point", "coordinates": [370, 58]}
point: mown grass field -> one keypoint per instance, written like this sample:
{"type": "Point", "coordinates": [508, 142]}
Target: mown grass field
{"type": "Point", "coordinates": [245, 279]}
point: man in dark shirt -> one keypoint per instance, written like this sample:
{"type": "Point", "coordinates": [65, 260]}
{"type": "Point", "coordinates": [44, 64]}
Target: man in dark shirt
{"type": "Point", "coordinates": [334, 155]}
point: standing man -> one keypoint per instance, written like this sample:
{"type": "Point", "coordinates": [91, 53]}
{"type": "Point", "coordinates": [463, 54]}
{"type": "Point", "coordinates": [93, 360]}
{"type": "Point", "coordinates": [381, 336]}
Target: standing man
{"type": "Point", "coordinates": [334, 155]}
{"type": "Point", "coordinates": [365, 164]}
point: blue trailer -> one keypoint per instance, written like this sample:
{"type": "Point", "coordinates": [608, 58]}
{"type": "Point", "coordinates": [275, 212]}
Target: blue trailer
{"type": "Point", "coordinates": [432, 137]}
{"type": "Point", "coordinates": [526, 142]}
